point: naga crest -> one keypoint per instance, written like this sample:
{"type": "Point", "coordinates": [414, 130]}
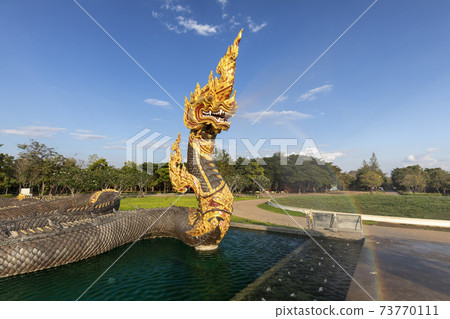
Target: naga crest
{"type": "Point", "coordinates": [215, 103]}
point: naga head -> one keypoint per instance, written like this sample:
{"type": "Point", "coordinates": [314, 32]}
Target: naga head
{"type": "Point", "coordinates": [215, 104]}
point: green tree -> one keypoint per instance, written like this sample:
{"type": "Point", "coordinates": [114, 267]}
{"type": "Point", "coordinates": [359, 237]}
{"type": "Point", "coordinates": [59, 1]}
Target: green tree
{"type": "Point", "coordinates": [398, 174]}
{"type": "Point", "coordinates": [262, 182]}
{"type": "Point", "coordinates": [311, 177]}
{"type": "Point", "coordinates": [371, 180]}
{"type": "Point", "coordinates": [273, 171]}
{"type": "Point", "coordinates": [97, 163]}
{"type": "Point", "coordinates": [224, 164]}
{"type": "Point", "coordinates": [237, 183]}
{"type": "Point", "coordinates": [73, 177]}
{"type": "Point", "coordinates": [286, 174]}
{"type": "Point", "coordinates": [253, 172]}
{"type": "Point", "coordinates": [143, 179]}
{"type": "Point", "coordinates": [365, 181]}
{"type": "Point", "coordinates": [414, 182]}
{"type": "Point", "coordinates": [38, 165]}
{"type": "Point", "coordinates": [132, 176]}
{"type": "Point", "coordinates": [338, 176]}
{"type": "Point", "coordinates": [437, 180]}
{"type": "Point", "coordinates": [347, 180]}
{"type": "Point", "coordinates": [100, 174]}
{"type": "Point", "coordinates": [163, 178]}
{"type": "Point", "coordinates": [373, 164]}
{"type": "Point", "coordinates": [253, 169]}
{"type": "Point", "coordinates": [7, 171]}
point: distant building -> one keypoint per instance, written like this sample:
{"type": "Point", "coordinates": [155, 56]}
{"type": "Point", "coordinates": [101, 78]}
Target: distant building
{"type": "Point", "coordinates": [26, 192]}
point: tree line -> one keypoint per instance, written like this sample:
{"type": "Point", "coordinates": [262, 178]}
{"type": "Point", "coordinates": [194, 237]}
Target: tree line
{"type": "Point", "coordinates": [412, 178]}
{"type": "Point", "coordinates": [47, 172]}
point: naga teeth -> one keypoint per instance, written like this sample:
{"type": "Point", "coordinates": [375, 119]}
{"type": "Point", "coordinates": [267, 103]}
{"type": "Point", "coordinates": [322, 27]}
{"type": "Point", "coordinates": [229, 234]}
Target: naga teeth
{"type": "Point", "coordinates": [220, 116]}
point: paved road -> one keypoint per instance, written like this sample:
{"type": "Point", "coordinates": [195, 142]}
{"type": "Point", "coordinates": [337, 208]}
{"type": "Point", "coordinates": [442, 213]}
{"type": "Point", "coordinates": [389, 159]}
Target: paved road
{"type": "Point", "coordinates": [248, 209]}
{"type": "Point", "coordinates": [403, 264]}
{"type": "Point", "coordinates": [395, 263]}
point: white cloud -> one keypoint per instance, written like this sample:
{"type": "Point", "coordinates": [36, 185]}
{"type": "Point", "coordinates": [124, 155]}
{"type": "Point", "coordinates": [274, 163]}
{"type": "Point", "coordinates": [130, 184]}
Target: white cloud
{"type": "Point", "coordinates": [120, 145]}
{"type": "Point", "coordinates": [174, 28]}
{"type": "Point", "coordinates": [179, 8]}
{"type": "Point", "coordinates": [157, 102]}
{"type": "Point", "coordinates": [34, 131]}
{"type": "Point", "coordinates": [202, 29]}
{"type": "Point", "coordinates": [233, 22]}
{"type": "Point", "coordinates": [83, 131]}
{"type": "Point", "coordinates": [281, 99]}
{"type": "Point", "coordinates": [156, 14]}
{"type": "Point", "coordinates": [168, 5]}
{"type": "Point", "coordinates": [276, 115]}
{"type": "Point", "coordinates": [87, 136]}
{"type": "Point", "coordinates": [329, 157]}
{"type": "Point", "coordinates": [223, 3]}
{"type": "Point", "coordinates": [253, 26]}
{"type": "Point", "coordinates": [426, 160]}
{"type": "Point", "coordinates": [312, 94]}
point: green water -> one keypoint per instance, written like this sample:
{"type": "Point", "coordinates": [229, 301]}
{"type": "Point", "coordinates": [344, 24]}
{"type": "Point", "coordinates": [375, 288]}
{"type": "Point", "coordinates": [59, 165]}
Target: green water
{"type": "Point", "coordinates": [159, 269]}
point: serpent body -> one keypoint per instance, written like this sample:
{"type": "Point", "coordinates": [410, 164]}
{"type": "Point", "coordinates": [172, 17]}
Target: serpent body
{"type": "Point", "coordinates": [69, 241]}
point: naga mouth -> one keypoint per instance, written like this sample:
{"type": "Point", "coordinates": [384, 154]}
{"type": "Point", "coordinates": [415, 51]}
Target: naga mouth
{"type": "Point", "coordinates": [220, 116]}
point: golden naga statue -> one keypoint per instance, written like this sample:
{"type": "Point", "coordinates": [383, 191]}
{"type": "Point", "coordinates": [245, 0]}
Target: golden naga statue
{"type": "Point", "coordinates": [206, 114]}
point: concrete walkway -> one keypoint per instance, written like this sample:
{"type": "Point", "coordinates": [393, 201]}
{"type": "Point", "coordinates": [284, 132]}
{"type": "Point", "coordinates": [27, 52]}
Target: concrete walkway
{"type": "Point", "coordinates": [395, 263]}
{"type": "Point", "coordinates": [376, 218]}
{"type": "Point", "coordinates": [248, 209]}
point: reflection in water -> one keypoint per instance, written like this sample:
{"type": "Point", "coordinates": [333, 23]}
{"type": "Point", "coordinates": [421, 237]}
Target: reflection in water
{"type": "Point", "coordinates": [309, 274]}
{"type": "Point", "coordinates": [159, 269]}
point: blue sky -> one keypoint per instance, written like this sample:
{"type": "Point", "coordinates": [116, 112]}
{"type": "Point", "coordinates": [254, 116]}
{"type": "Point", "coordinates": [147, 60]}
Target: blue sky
{"type": "Point", "coordinates": [383, 87]}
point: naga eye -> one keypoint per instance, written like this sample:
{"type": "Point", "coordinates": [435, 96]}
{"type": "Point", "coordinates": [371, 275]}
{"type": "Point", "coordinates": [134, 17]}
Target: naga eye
{"type": "Point", "coordinates": [210, 98]}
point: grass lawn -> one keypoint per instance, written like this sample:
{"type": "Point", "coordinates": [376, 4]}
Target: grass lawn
{"type": "Point", "coordinates": [280, 211]}
{"type": "Point", "coordinates": [255, 222]}
{"type": "Point", "coordinates": [433, 207]}
{"type": "Point", "coordinates": [130, 203]}
{"type": "Point", "coordinates": [187, 201]}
